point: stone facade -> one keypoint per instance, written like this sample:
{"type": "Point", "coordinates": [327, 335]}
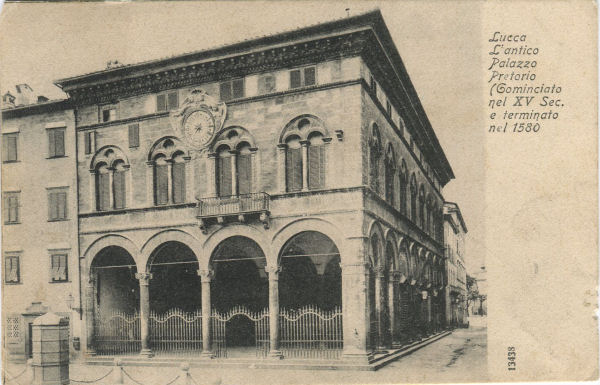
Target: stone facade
{"type": "Point", "coordinates": [32, 235]}
{"type": "Point", "coordinates": [455, 232]}
{"type": "Point", "coordinates": [325, 155]}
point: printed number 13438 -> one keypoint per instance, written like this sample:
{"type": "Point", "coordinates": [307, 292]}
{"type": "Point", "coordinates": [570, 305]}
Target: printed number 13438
{"type": "Point", "coordinates": [512, 358]}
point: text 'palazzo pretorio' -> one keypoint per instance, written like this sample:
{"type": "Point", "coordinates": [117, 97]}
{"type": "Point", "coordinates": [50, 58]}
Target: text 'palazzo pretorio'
{"type": "Point", "coordinates": [279, 197]}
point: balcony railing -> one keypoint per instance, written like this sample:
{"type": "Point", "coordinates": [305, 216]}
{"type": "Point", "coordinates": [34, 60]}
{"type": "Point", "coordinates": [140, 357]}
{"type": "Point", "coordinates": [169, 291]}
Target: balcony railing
{"type": "Point", "coordinates": [235, 205]}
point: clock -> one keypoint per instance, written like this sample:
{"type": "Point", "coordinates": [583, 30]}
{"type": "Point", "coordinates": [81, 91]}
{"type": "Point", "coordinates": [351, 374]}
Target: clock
{"type": "Point", "coordinates": [199, 128]}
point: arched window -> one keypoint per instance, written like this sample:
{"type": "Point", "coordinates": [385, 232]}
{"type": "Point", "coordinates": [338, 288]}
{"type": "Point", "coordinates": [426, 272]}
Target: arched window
{"type": "Point", "coordinates": [427, 227]}
{"type": "Point", "coordinates": [413, 198]}
{"type": "Point", "coordinates": [102, 187]}
{"type": "Point", "coordinates": [375, 158]}
{"type": "Point", "coordinates": [434, 221]}
{"type": "Point", "coordinates": [168, 160]}
{"type": "Point", "coordinates": [110, 167]}
{"type": "Point", "coordinates": [244, 168]}
{"type": "Point", "coordinates": [234, 162]}
{"type": "Point", "coordinates": [178, 178]}
{"type": "Point", "coordinates": [422, 207]}
{"type": "Point", "coordinates": [119, 184]}
{"type": "Point", "coordinates": [293, 164]}
{"type": "Point", "coordinates": [303, 142]}
{"type": "Point", "coordinates": [161, 180]}
{"type": "Point", "coordinates": [403, 177]}
{"type": "Point", "coordinates": [316, 161]}
{"type": "Point", "coordinates": [389, 171]}
{"type": "Point", "coordinates": [224, 179]}
{"type": "Point", "coordinates": [440, 223]}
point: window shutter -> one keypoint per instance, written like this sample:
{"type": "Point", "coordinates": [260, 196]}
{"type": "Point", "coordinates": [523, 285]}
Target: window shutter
{"type": "Point", "coordinates": [62, 267]}
{"type": "Point", "coordinates": [119, 189]}
{"type": "Point", "coordinates": [161, 184]}
{"type": "Point", "coordinates": [266, 84]}
{"type": "Point", "coordinates": [5, 148]}
{"type": "Point", "coordinates": [225, 91]}
{"type": "Point", "coordinates": [238, 88]}
{"type": "Point", "coordinates": [12, 269]}
{"type": "Point", "coordinates": [87, 143]}
{"type": "Point", "coordinates": [134, 135]}
{"type": "Point", "coordinates": [172, 100]}
{"type": "Point", "coordinates": [62, 205]}
{"type": "Point", "coordinates": [294, 169]}
{"type": "Point", "coordinates": [244, 169]}
{"type": "Point", "coordinates": [316, 167]}
{"type": "Point", "coordinates": [309, 76]}
{"type": "Point", "coordinates": [224, 188]}
{"type": "Point", "coordinates": [178, 182]}
{"type": "Point", "coordinates": [51, 206]}
{"type": "Point", "coordinates": [16, 206]}
{"type": "Point", "coordinates": [59, 142]}
{"type": "Point", "coordinates": [13, 209]}
{"type": "Point", "coordinates": [161, 102]}
{"type": "Point", "coordinates": [12, 147]}
{"type": "Point", "coordinates": [103, 191]}
{"type": "Point", "coordinates": [59, 267]}
{"type": "Point", "coordinates": [51, 143]}
{"type": "Point", "coordinates": [295, 80]}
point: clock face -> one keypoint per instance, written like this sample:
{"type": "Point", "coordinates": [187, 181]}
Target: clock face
{"type": "Point", "coordinates": [199, 128]}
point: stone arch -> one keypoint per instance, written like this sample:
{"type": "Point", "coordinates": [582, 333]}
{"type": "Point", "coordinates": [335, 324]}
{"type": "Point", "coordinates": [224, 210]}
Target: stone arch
{"type": "Point", "coordinates": [303, 126]}
{"type": "Point", "coordinates": [112, 240]}
{"type": "Point", "coordinates": [403, 256]}
{"type": "Point", "coordinates": [375, 235]}
{"type": "Point", "coordinates": [375, 136]}
{"type": "Point", "coordinates": [167, 146]}
{"type": "Point", "coordinates": [390, 240]}
{"type": "Point", "coordinates": [229, 231]}
{"type": "Point", "coordinates": [165, 236]}
{"type": "Point", "coordinates": [306, 224]}
{"type": "Point", "coordinates": [233, 137]}
{"type": "Point", "coordinates": [108, 155]}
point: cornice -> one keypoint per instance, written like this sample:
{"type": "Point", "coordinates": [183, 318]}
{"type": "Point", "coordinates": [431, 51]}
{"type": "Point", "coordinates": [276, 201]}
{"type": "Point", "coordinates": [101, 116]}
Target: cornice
{"type": "Point", "coordinates": [351, 44]}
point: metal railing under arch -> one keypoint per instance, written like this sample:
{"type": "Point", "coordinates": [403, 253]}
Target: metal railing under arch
{"type": "Point", "coordinates": [305, 333]}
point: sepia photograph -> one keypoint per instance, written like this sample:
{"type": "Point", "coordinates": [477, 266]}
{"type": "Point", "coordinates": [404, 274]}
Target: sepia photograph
{"type": "Point", "coordinates": [279, 192]}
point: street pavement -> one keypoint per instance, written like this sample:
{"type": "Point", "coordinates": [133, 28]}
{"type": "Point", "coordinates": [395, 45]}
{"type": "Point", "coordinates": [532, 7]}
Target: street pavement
{"type": "Point", "coordinates": [459, 357]}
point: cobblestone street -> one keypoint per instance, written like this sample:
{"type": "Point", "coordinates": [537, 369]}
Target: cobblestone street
{"type": "Point", "coordinates": [459, 357]}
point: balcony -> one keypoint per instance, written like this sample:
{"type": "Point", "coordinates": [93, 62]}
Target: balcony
{"type": "Point", "coordinates": [235, 207]}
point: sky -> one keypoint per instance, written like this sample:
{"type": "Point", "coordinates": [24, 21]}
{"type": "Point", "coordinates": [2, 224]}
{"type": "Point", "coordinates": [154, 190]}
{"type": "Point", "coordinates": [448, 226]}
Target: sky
{"type": "Point", "coordinates": [439, 43]}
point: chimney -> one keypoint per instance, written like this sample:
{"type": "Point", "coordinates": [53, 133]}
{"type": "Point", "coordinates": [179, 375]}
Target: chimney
{"type": "Point", "coordinates": [8, 100]}
{"type": "Point", "coordinates": [24, 95]}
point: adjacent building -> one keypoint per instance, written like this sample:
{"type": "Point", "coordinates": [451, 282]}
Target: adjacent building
{"type": "Point", "coordinates": [280, 196]}
{"type": "Point", "coordinates": [39, 218]}
{"type": "Point", "coordinates": [455, 232]}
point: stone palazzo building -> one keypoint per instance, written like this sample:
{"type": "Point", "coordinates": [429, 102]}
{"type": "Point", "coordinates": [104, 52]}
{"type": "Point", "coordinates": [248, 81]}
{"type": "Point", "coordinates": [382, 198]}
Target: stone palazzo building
{"type": "Point", "coordinates": [455, 231]}
{"type": "Point", "coordinates": [279, 197]}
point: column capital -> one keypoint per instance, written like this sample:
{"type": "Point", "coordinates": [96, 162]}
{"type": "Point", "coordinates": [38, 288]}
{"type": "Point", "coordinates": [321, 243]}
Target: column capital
{"type": "Point", "coordinates": [91, 281]}
{"type": "Point", "coordinates": [144, 278]}
{"type": "Point", "coordinates": [273, 271]}
{"type": "Point", "coordinates": [379, 271]}
{"type": "Point", "coordinates": [395, 276]}
{"type": "Point", "coordinates": [206, 275]}
{"type": "Point", "coordinates": [304, 143]}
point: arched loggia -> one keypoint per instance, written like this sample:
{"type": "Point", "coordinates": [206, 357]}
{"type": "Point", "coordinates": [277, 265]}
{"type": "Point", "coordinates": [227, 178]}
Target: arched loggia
{"type": "Point", "coordinates": [239, 290]}
{"type": "Point", "coordinates": [175, 283]}
{"type": "Point", "coordinates": [310, 272]}
{"type": "Point", "coordinates": [115, 302]}
{"type": "Point", "coordinates": [174, 300]}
